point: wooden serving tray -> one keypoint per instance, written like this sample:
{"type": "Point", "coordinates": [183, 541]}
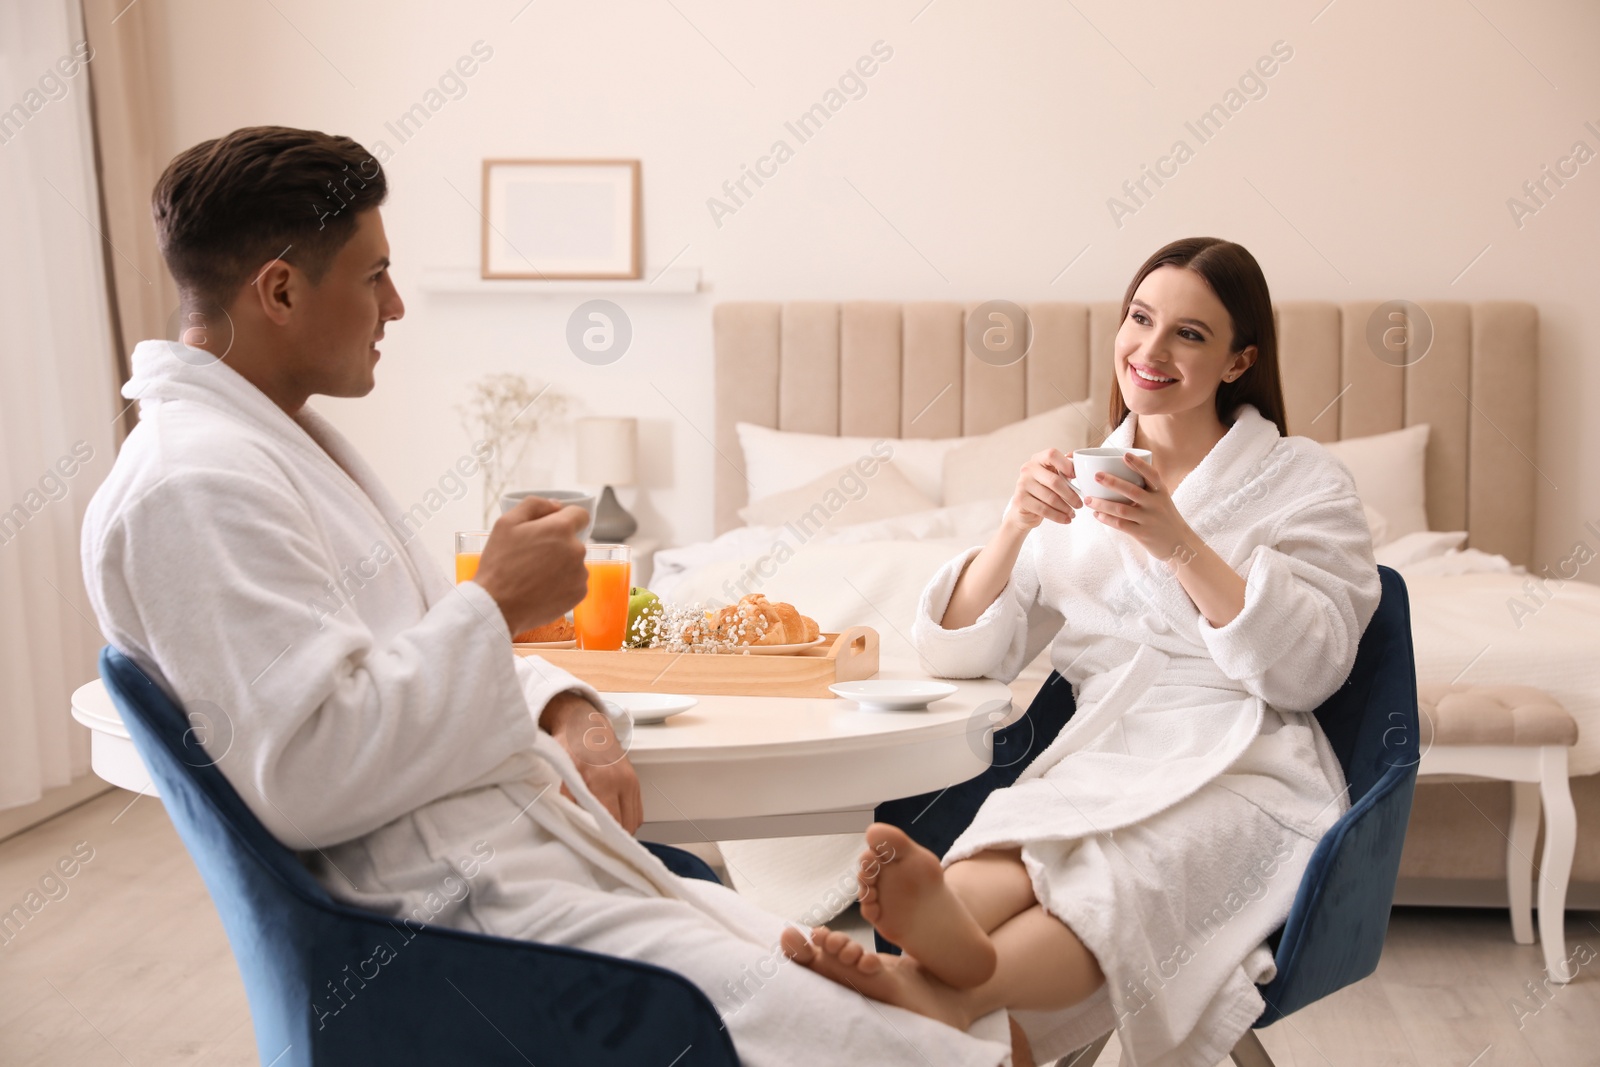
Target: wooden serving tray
{"type": "Point", "coordinates": [848, 657]}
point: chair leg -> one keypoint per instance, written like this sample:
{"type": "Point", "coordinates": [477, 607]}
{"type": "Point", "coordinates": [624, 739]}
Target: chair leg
{"type": "Point", "coordinates": [1519, 858]}
{"type": "Point", "coordinates": [1086, 1055]}
{"type": "Point", "coordinates": [1249, 1052]}
{"type": "Point", "coordinates": [1555, 863]}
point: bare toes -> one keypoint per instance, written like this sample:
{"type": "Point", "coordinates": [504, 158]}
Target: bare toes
{"type": "Point", "coordinates": [838, 942]}
{"type": "Point", "coordinates": [887, 843]}
{"type": "Point", "coordinates": [851, 953]}
{"type": "Point", "coordinates": [868, 866]}
{"type": "Point", "coordinates": [795, 946]}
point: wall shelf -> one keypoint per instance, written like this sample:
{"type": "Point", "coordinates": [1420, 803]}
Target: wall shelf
{"type": "Point", "coordinates": [465, 280]}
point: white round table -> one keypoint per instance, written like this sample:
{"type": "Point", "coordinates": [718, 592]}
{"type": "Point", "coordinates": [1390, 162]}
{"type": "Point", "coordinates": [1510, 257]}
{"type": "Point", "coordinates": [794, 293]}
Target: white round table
{"type": "Point", "coordinates": [741, 767]}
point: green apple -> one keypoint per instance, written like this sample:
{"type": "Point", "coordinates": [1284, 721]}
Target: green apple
{"type": "Point", "coordinates": [643, 605]}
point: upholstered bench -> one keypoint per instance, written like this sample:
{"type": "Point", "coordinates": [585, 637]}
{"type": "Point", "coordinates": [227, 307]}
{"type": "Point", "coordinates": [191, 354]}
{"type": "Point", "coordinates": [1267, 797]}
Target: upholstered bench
{"type": "Point", "coordinates": [1521, 735]}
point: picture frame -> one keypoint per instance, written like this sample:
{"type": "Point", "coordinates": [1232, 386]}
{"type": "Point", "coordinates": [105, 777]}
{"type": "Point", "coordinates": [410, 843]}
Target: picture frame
{"type": "Point", "coordinates": [561, 219]}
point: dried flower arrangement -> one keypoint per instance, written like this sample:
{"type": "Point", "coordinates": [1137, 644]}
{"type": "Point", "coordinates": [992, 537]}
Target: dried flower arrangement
{"type": "Point", "coordinates": [510, 413]}
{"type": "Point", "coordinates": [690, 629]}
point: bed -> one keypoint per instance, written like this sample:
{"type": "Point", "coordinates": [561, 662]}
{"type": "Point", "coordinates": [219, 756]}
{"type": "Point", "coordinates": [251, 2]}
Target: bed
{"type": "Point", "coordinates": [901, 373]}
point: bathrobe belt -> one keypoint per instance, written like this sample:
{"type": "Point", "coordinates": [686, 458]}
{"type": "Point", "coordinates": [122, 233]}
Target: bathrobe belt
{"type": "Point", "coordinates": [1105, 697]}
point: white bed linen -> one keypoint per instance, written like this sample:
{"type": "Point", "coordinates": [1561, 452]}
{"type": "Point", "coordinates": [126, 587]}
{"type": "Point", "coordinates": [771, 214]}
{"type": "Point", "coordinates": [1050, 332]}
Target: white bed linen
{"type": "Point", "coordinates": [1479, 620]}
{"type": "Point", "coordinates": [967, 524]}
{"type": "Point", "coordinates": [1469, 628]}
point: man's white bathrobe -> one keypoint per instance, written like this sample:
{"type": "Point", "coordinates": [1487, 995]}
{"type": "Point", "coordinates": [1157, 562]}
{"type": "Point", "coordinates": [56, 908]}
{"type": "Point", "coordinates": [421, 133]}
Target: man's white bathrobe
{"type": "Point", "coordinates": [1169, 823]}
{"type": "Point", "coordinates": [375, 718]}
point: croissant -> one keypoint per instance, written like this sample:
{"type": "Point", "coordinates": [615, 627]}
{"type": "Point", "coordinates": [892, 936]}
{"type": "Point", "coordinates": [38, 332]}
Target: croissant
{"type": "Point", "coordinates": [755, 620]}
{"type": "Point", "coordinates": [559, 630]}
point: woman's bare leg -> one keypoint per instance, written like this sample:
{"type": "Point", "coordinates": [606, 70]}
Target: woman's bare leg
{"type": "Point", "coordinates": [1042, 966]}
{"type": "Point", "coordinates": [993, 885]}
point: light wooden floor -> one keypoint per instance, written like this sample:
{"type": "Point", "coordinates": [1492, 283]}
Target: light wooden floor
{"type": "Point", "coordinates": [131, 967]}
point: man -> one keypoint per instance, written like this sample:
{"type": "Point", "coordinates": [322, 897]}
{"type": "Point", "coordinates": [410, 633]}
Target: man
{"type": "Point", "coordinates": [374, 716]}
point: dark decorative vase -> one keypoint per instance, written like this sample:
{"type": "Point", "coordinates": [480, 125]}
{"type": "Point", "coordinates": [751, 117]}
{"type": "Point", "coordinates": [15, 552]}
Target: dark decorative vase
{"type": "Point", "coordinates": [612, 523]}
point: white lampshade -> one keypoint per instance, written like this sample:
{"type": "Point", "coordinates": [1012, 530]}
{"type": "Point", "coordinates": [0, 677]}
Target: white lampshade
{"type": "Point", "coordinates": [606, 450]}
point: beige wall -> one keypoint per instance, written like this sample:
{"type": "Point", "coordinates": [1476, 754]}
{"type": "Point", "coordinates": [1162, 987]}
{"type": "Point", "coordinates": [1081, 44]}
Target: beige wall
{"type": "Point", "coordinates": [978, 163]}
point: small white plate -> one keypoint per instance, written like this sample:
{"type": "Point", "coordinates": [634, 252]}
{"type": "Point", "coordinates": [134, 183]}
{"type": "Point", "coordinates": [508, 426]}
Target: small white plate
{"type": "Point", "coordinates": [648, 708]}
{"type": "Point", "coordinates": [889, 694]}
{"type": "Point", "coordinates": [775, 650]}
{"type": "Point", "coordinates": [571, 642]}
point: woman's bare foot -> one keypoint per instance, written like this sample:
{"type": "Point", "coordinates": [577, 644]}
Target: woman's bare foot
{"type": "Point", "coordinates": [904, 897]}
{"type": "Point", "coordinates": [897, 980]}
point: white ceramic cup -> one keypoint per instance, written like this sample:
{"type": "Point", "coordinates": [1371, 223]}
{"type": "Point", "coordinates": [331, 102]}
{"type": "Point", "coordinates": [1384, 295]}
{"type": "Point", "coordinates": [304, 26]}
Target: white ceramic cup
{"type": "Point", "coordinates": [1087, 462]}
{"type": "Point", "coordinates": [563, 497]}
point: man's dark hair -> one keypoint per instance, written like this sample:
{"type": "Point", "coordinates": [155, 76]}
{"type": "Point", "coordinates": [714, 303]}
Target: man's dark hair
{"type": "Point", "coordinates": [227, 206]}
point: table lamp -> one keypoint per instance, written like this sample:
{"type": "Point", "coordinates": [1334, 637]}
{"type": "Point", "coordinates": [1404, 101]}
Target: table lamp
{"type": "Point", "coordinates": [606, 451]}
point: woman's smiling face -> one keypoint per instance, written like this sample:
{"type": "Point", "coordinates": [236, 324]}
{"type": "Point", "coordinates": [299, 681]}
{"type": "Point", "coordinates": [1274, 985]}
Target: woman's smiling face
{"type": "Point", "coordinates": [1173, 349]}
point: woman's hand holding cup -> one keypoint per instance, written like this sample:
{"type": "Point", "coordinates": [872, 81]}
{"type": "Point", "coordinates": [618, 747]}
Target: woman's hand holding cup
{"type": "Point", "coordinates": [1043, 492]}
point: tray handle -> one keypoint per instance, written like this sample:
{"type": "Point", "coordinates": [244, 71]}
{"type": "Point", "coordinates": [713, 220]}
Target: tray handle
{"type": "Point", "coordinates": [853, 642]}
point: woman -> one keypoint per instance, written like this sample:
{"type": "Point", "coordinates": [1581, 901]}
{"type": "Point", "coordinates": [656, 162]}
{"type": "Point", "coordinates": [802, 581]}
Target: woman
{"type": "Point", "coordinates": [1131, 875]}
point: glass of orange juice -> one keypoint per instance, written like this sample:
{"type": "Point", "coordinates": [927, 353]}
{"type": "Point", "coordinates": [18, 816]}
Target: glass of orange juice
{"type": "Point", "coordinates": [469, 550]}
{"type": "Point", "coordinates": [601, 617]}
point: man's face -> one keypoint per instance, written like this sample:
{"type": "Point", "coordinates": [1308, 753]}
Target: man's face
{"type": "Point", "coordinates": [336, 339]}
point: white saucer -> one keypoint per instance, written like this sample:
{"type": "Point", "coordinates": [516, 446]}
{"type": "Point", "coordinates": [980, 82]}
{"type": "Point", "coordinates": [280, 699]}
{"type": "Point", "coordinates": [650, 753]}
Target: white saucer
{"type": "Point", "coordinates": [886, 694]}
{"type": "Point", "coordinates": [648, 708]}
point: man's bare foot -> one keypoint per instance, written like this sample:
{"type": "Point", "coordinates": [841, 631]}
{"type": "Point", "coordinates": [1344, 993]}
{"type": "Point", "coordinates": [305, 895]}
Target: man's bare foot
{"type": "Point", "coordinates": [897, 980]}
{"type": "Point", "coordinates": [905, 898]}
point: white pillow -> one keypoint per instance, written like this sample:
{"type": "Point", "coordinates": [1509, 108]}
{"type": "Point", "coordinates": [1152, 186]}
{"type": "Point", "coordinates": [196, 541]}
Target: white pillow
{"type": "Point", "coordinates": [1377, 525]}
{"type": "Point", "coordinates": [1388, 469]}
{"type": "Point", "coordinates": [985, 466]}
{"type": "Point", "coordinates": [776, 460]}
{"type": "Point", "coordinates": [867, 490]}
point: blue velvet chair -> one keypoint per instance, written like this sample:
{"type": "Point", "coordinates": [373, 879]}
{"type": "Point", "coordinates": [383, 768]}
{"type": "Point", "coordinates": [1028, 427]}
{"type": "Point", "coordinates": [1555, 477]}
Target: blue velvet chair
{"type": "Point", "coordinates": [1336, 926]}
{"type": "Point", "coordinates": [332, 984]}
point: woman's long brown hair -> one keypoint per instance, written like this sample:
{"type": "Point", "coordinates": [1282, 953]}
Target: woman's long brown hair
{"type": "Point", "coordinates": [1236, 278]}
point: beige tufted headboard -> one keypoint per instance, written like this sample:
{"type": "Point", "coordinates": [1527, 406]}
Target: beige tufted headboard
{"type": "Point", "coordinates": [876, 369]}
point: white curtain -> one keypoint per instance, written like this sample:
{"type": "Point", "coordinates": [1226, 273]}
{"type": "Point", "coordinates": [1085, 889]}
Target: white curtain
{"type": "Point", "coordinates": [57, 392]}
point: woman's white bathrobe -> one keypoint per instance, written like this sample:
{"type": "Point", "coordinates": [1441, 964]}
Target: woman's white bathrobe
{"type": "Point", "coordinates": [374, 717]}
{"type": "Point", "coordinates": [1169, 823]}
